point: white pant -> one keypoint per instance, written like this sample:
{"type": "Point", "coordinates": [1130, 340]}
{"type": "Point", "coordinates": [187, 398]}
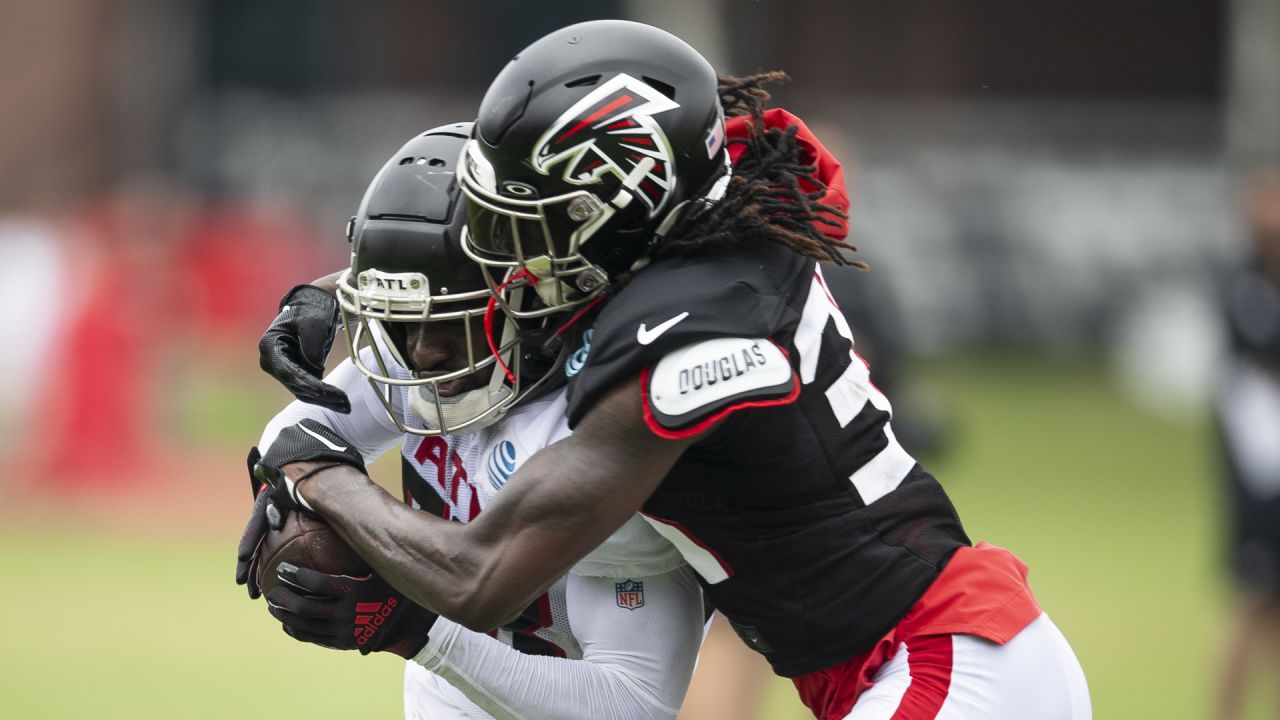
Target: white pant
{"type": "Point", "coordinates": [1034, 676]}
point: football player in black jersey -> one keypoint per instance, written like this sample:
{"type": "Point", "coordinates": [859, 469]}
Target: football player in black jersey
{"type": "Point", "coordinates": [1248, 422]}
{"type": "Point", "coordinates": [715, 386]}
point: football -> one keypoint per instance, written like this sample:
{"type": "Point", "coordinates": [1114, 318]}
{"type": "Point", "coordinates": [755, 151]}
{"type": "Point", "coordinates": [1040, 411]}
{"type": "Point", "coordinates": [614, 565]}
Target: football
{"type": "Point", "coordinates": [310, 542]}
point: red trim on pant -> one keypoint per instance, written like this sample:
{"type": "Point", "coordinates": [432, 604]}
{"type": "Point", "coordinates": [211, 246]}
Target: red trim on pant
{"type": "Point", "coordinates": [831, 692]}
{"type": "Point", "coordinates": [983, 592]}
{"type": "Point", "coordinates": [929, 662]}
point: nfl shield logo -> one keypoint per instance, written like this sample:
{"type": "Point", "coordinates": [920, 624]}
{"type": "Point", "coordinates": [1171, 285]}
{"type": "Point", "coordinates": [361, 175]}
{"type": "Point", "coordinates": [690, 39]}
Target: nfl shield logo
{"type": "Point", "coordinates": [630, 594]}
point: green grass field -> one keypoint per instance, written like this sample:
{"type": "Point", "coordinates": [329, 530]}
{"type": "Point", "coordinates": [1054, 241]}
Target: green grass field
{"type": "Point", "coordinates": [1115, 512]}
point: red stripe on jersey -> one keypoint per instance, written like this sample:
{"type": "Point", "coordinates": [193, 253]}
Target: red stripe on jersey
{"type": "Point", "coordinates": [693, 539]}
{"type": "Point", "coordinates": [822, 282]}
{"type": "Point", "coordinates": [929, 662]}
{"type": "Point", "coordinates": [544, 610]}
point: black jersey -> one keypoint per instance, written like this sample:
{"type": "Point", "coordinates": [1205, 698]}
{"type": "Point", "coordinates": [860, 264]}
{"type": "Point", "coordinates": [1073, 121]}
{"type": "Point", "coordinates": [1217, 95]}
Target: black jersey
{"type": "Point", "coordinates": [812, 529]}
{"type": "Point", "coordinates": [1251, 307]}
{"type": "Point", "coordinates": [1246, 414]}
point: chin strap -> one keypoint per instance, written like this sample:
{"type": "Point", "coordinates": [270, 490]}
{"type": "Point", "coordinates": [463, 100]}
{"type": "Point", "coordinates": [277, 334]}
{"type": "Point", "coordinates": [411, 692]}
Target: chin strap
{"type": "Point", "coordinates": [521, 274]}
{"type": "Point", "coordinates": [491, 307]}
{"type": "Point", "coordinates": [578, 315]}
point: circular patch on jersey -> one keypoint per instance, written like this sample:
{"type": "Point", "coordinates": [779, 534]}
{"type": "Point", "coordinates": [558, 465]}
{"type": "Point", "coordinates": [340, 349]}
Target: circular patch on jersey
{"type": "Point", "coordinates": [698, 381]}
{"type": "Point", "coordinates": [502, 464]}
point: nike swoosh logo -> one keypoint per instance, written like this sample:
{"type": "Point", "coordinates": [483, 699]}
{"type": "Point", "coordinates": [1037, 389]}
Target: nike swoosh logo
{"type": "Point", "coordinates": [331, 446]}
{"type": "Point", "coordinates": [644, 335]}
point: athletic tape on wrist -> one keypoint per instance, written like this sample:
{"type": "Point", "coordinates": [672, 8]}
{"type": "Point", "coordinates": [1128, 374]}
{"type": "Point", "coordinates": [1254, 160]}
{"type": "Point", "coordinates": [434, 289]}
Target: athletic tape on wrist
{"type": "Point", "coordinates": [293, 485]}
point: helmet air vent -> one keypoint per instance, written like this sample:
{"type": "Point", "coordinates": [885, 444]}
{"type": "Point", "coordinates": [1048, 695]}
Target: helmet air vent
{"type": "Point", "coordinates": [584, 81]}
{"type": "Point", "coordinates": [433, 162]}
{"type": "Point", "coordinates": [660, 86]}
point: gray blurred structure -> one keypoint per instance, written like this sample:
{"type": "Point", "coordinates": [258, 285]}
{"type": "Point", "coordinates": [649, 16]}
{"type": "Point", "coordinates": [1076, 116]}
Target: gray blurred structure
{"type": "Point", "coordinates": [1253, 106]}
{"type": "Point", "coordinates": [1020, 171]}
{"type": "Point", "coordinates": [1038, 220]}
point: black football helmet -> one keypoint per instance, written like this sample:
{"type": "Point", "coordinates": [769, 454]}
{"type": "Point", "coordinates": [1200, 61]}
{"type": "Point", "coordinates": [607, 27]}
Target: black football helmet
{"type": "Point", "coordinates": [587, 145]}
{"type": "Point", "coordinates": [407, 266]}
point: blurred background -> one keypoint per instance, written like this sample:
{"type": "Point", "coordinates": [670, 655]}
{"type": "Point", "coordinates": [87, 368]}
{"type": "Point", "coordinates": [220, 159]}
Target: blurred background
{"type": "Point", "coordinates": [1049, 194]}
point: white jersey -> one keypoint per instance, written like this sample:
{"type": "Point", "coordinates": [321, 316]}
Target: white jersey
{"type": "Point", "coordinates": [626, 622]}
{"type": "Point", "coordinates": [466, 471]}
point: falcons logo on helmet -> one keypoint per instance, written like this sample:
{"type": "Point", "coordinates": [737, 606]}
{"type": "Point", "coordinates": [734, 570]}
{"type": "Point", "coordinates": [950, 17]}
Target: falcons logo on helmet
{"type": "Point", "coordinates": [612, 130]}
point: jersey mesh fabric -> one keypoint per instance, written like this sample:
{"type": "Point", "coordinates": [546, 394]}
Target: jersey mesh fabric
{"type": "Point", "coordinates": [906, 518]}
{"type": "Point", "coordinates": [826, 529]}
{"type": "Point", "coordinates": [559, 633]}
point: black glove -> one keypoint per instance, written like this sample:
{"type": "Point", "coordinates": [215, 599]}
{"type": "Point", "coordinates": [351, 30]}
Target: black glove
{"type": "Point", "coordinates": [266, 515]}
{"type": "Point", "coordinates": [348, 613]}
{"type": "Point", "coordinates": [275, 495]}
{"type": "Point", "coordinates": [294, 347]}
{"type": "Point", "coordinates": [306, 441]}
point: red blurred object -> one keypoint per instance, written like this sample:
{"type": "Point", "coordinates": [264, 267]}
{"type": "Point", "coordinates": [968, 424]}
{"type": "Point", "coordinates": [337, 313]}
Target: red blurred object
{"type": "Point", "coordinates": [98, 432]}
{"type": "Point", "coordinates": [154, 281]}
{"type": "Point", "coordinates": [235, 266]}
{"type": "Point", "coordinates": [828, 169]}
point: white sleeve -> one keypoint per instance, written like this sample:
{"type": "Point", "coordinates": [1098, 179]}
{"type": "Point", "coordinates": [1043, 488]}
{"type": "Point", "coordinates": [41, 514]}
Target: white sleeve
{"type": "Point", "coordinates": [367, 427]}
{"type": "Point", "coordinates": [1249, 408]}
{"type": "Point", "coordinates": [636, 663]}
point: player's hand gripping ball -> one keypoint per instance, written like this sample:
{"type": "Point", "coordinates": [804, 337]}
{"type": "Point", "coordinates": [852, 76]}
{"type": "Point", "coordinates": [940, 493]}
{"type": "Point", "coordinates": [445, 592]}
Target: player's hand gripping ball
{"type": "Point", "coordinates": [324, 593]}
{"type": "Point", "coordinates": [304, 540]}
{"type": "Point", "coordinates": [275, 494]}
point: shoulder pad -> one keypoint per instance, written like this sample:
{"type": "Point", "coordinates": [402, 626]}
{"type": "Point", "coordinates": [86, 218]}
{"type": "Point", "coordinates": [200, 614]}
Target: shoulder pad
{"type": "Point", "coordinates": [698, 384]}
{"type": "Point", "coordinates": [678, 302]}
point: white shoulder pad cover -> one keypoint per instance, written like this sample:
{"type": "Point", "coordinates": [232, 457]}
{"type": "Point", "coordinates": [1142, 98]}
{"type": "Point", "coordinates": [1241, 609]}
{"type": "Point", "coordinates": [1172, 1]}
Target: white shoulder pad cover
{"type": "Point", "coordinates": [698, 381]}
{"type": "Point", "coordinates": [633, 550]}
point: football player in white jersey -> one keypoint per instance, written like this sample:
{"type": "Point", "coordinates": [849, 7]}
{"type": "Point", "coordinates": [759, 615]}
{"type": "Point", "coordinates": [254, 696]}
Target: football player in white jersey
{"type": "Point", "coordinates": [618, 635]}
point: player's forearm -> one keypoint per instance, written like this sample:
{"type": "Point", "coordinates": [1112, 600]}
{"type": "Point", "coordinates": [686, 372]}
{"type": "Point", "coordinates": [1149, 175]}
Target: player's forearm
{"type": "Point", "coordinates": [557, 509]}
{"type": "Point", "coordinates": [427, 558]}
{"type": "Point", "coordinates": [562, 503]}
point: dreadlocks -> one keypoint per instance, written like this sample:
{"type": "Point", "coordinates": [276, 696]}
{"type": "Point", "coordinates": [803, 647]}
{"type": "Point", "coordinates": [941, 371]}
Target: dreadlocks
{"type": "Point", "coordinates": [764, 200]}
